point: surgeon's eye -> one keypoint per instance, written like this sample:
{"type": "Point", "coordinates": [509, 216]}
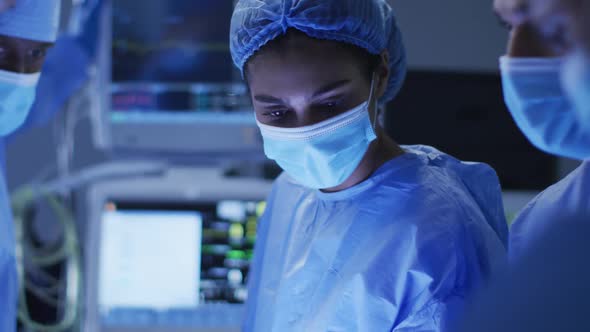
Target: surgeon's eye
{"type": "Point", "coordinates": [557, 35]}
{"type": "Point", "coordinates": [328, 106]}
{"type": "Point", "coordinates": [38, 53]}
{"type": "Point", "coordinates": [275, 114]}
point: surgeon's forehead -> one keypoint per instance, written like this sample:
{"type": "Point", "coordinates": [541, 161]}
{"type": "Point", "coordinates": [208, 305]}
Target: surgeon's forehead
{"type": "Point", "coordinates": [302, 75]}
{"type": "Point", "coordinates": [296, 43]}
{"type": "Point", "coordinates": [300, 55]}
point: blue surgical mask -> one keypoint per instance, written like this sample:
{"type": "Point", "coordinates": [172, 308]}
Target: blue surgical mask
{"type": "Point", "coordinates": [17, 94]}
{"type": "Point", "coordinates": [323, 155]}
{"type": "Point", "coordinates": [575, 79]}
{"type": "Point", "coordinates": [536, 98]}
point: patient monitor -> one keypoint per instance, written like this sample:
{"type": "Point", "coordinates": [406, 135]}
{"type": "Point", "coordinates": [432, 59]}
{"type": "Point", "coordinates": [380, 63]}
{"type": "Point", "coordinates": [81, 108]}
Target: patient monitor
{"type": "Point", "coordinates": [172, 252]}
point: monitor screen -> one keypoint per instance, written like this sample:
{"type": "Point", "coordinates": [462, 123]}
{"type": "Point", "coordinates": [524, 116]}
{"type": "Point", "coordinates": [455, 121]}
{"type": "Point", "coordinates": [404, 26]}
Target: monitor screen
{"type": "Point", "coordinates": [172, 87]}
{"type": "Point", "coordinates": [172, 57]}
{"type": "Point", "coordinates": [164, 265]}
{"type": "Point", "coordinates": [172, 41]}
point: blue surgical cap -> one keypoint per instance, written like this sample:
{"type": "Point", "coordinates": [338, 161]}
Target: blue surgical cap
{"type": "Point", "coordinates": [32, 19]}
{"type": "Point", "coordinates": [369, 24]}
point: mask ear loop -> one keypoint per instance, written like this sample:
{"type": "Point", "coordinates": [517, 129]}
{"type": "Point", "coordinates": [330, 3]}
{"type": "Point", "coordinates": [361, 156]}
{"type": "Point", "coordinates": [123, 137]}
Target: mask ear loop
{"type": "Point", "coordinates": [376, 116]}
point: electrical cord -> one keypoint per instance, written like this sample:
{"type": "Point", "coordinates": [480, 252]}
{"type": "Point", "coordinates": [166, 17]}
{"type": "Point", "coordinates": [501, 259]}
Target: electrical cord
{"type": "Point", "coordinates": [68, 253]}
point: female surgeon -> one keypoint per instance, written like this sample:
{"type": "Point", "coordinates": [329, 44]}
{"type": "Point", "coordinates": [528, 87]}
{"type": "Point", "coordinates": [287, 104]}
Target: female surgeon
{"type": "Point", "coordinates": [546, 79]}
{"type": "Point", "coordinates": [360, 233]}
{"type": "Point", "coordinates": [27, 29]}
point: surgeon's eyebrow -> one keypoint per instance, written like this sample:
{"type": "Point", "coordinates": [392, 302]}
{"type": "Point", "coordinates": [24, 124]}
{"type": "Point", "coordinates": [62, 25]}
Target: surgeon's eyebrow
{"type": "Point", "coordinates": [266, 99]}
{"type": "Point", "coordinates": [331, 87]}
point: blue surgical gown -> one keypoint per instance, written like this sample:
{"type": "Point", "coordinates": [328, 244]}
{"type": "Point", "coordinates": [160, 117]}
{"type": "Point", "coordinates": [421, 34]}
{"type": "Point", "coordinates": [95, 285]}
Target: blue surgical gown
{"type": "Point", "coordinates": [569, 198]}
{"type": "Point", "coordinates": [8, 275]}
{"type": "Point", "coordinates": [544, 290]}
{"type": "Point", "coordinates": [397, 252]}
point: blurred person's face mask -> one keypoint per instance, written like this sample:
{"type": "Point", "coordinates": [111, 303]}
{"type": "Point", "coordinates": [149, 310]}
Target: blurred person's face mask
{"type": "Point", "coordinates": [576, 83]}
{"type": "Point", "coordinates": [17, 94]}
{"type": "Point", "coordinates": [535, 96]}
{"type": "Point", "coordinates": [323, 155]}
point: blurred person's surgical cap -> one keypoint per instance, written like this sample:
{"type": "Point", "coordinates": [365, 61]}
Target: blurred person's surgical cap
{"type": "Point", "coordinates": [369, 24]}
{"type": "Point", "coordinates": [36, 20]}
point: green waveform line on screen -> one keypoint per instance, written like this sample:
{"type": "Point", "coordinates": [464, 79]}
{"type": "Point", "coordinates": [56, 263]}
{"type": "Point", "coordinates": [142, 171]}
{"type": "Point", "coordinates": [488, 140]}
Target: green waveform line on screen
{"type": "Point", "coordinates": [140, 48]}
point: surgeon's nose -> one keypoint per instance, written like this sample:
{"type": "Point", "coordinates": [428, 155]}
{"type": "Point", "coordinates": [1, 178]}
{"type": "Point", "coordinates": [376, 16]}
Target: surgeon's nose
{"type": "Point", "coordinates": [527, 41]}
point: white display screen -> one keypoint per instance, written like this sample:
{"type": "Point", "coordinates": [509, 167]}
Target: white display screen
{"type": "Point", "coordinates": [164, 264]}
{"type": "Point", "coordinates": [149, 260]}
